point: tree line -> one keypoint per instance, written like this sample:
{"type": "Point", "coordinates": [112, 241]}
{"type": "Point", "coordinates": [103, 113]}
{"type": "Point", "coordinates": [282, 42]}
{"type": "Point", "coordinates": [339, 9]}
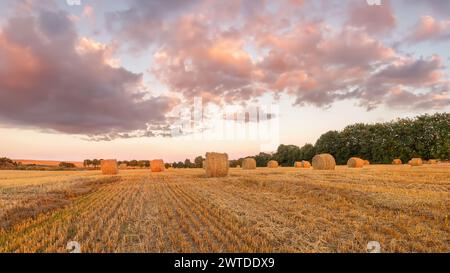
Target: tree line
{"type": "Point", "coordinates": [197, 163]}
{"type": "Point", "coordinates": [425, 136]}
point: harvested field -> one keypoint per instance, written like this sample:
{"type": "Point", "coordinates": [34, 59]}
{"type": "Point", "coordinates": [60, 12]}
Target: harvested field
{"type": "Point", "coordinates": [267, 210]}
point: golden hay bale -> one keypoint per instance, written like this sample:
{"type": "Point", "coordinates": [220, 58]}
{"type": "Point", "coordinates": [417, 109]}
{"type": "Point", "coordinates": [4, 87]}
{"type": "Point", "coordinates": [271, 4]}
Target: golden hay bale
{"type": "Point", "coordinates": [324, 162]}
{"type": "Point", "coordinates": [355, 162]}
{"type": "Point", "coordinates": [432, 161]}
{"type": "Point", "coordinates": [216, 165]}
{"type": "Point", "coordinates": [302, 164]}
{"type": "Point", "coordinates": [123, 166]}
{"type": "Point", "coordinates": [157, 165]}
{"type": "Point", "coordinates": [204, 164]}
{"type": "Point", "coordinates": [397, 161]}
{"type": "Point", "coordinates": [272, 164]}
{"type": "Point", "coordinates": [109, 167]}
{"type": "Point", "coordinates": [306, 164]}
{"type": "Point", "coordinates": [238, 166]}
{"type": "Point", "coordinates": [366, 162]}
{"type": "Point", "coordinates": [415, 162]}
{"type": "Point", "coordinates": [249, 164]}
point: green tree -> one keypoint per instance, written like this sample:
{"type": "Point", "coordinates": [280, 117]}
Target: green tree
{"type": "Point", "coordinates": [198, 162]}
{"type": "Point", "coordinates": [188, 163]}
{"type": "Point", "coordinates": [133, 163]}
{"type": "Point", "coordinates": [306, 152]}
{"type": "Point", "coordinates": [87, 163]}
{"type": "Point", "coordinates": [66, 165]}
{"type": "Point", "coordinates": [262, 159]}
{"type": "Point", "coordinates": [95, 163]}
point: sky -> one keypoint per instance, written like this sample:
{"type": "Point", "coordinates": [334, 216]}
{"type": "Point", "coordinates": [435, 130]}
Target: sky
{"type": "Point", "coordinates": [125, 79]}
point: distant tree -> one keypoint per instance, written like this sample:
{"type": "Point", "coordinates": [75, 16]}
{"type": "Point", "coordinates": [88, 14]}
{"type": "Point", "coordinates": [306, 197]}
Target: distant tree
{"type": "Point", "coordinates": [188, 163]}
{"type": "Point", "coordinates": [133, 163]}
{"type": "Point", "coordinates": [425, 136]}
{"type": "Point", "coordinates": [286, 155]}
{"type": "Point", "coordinates": [306, 152]}
{"type": "Point", "coordinates": [198, 162]}
{"type": "Point", "coordinates": [167, 165]}
{"type": "Point", "coordinates": [66, 165]}
{"type": "Point", "coordinates": [95, 163]}
{"type": "Point", "coordinates": [143, 163]}
{"type": "Point", "coordinates": [178, 165]}
{"type": "Point", "coordinates": [236, 162]}
{"type": "Point", "coordinates": [6, 163]}
{"type": "Point", "coordinates": [147, 163]}
{"type": "Point", "coordinates": [87, 163]}
{"type": "Point", "coordinates": [331, 143]}
{"type": "Point", "coordinates": [262, 159]}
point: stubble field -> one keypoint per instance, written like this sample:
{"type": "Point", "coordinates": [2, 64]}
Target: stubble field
{"type": "Point", "coordinates": [265, 210]}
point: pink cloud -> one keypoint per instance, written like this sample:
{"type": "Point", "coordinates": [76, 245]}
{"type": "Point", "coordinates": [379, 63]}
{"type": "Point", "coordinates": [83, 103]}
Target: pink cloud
{"type": "Point", "coordinates": [354, 48]}
{"type": "Point", "coordinates": [428, 28]}
{"type": "Point", "coordinates": [419, 73]}
{"type": "Point", "coordinates": [51, 79]}
{"type": "Point", "coordinates": [399, 97]}
{"type": "Point", "coordinates": [232, 51]}
{"type": "Point", "coordinates": [408, 83]}
{"type": "Point", "coordinates": [372, 18]}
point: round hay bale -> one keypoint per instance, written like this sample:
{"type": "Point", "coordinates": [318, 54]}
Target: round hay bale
{"type": "Point", "coordinates": [298, 164]}
{"type": "Point", "coordinates": [109, 167]}
{"type": "Point", "coordinates": [238, 166]}
{"type": "Point", "coordinates": [416, 162]}
{"type": "Point", "coordinates": [123, 166]}
{"type": "Point", "coordinates": [366, 162]}
{"type": "Point", "coordinates": [249, 164]}
{"type": "Point", "coordinates": [272, 164]}
{"type": "Point", "coordinates": [216, 165]}
{"type": "Point", "coordinates": [204, 164]}
{"type": "Point", "coordinates": [433, 161]}
{"type": "Point", "coordinates": [324, 162]}
{"type": "Point", "coordinates": [397, 161]}
{"type": "Point", "coordinates": [306, 164]}
{"type": "Point", "coordinates": [355, 162]}
{"type": "Point", "coordinates": [157, 165]}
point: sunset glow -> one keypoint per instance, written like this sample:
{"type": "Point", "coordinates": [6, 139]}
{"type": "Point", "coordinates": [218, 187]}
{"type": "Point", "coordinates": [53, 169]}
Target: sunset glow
{"type": "Point", "coordinates": [103, 79]}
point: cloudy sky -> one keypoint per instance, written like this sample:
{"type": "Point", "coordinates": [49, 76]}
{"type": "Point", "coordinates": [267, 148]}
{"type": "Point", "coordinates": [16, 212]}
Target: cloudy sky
{"type": "Point", "coordinates": [107, 78]}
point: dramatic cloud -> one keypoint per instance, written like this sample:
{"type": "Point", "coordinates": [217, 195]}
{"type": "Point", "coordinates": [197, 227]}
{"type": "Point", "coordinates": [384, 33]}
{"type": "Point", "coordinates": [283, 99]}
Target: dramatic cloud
{"type": "Point", "coordinates": [430, 29]}
{"type": "Point", "coordinates": [145, 21]}
{"type": "Point", "coordinates": [374, 19]}
{"type": "Point", "coordinates": [54, 80]}
{"type": "Point", "coordinates": [198, 63]}
{"type": "Point", "coordinates": [319, 66]}
{"type": "Point", "coordinates": [254, 49]}
{"type": "Point", "coordinates": [399, 97]}
{"type": "Point", "coordinates": [395, 85]}
{"type": "Point", "coordinates": [412, 72]}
